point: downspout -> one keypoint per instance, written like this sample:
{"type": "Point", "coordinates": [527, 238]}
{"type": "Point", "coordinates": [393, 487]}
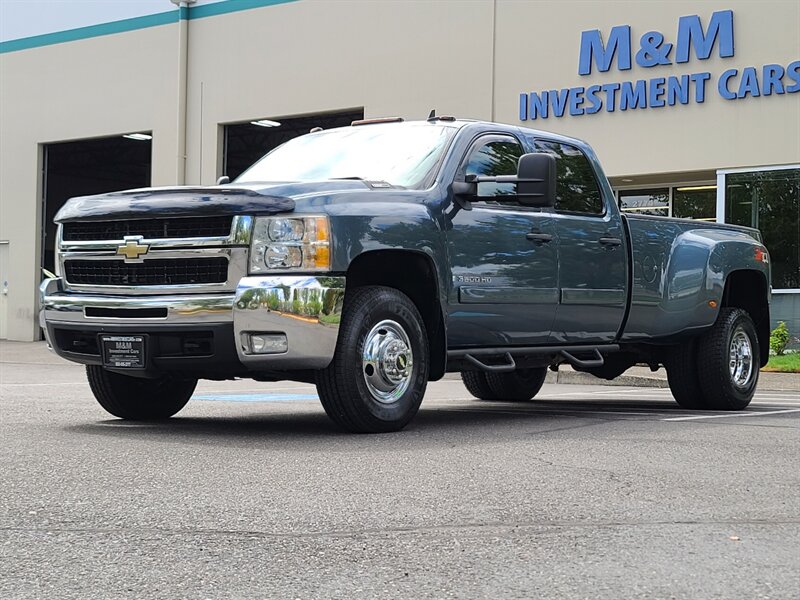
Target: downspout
{"type": "Point", "coordinates": [183, 70]}
{"type": "Point", "coordinates": [492, 108]}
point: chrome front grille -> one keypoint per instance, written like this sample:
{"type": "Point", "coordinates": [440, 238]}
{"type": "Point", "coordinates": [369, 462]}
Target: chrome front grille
{"type": "Point", "coordinates": [170, 255]}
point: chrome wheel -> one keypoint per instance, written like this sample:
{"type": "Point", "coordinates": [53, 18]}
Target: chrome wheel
{"type": "Point", "coordinates": [740, 360]}
{"type": "Point", "coordinates": [387, 361]}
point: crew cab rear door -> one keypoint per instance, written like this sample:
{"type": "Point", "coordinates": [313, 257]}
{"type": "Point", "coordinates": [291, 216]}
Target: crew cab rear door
{"type": "Point", "coordinates": [502, 256]}
{"type": "Point", "coordinates": [592, 253]}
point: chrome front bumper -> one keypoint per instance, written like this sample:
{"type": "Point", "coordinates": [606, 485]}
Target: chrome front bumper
{"type": "Point", "coordinates": [306, 309]}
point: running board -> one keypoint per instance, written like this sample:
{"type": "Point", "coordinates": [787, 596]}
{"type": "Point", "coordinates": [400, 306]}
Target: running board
{"type": "Point", "coordinates": [597, 361]}
{"type": "Point", "coordinates": [568, 353]}
{"type": "Point", "coordinates": [509, 366]}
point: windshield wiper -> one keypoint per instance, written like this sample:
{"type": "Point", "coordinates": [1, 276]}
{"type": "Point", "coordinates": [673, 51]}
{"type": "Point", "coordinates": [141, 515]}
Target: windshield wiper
{"type": "Point", "coordinates": [373, 183]}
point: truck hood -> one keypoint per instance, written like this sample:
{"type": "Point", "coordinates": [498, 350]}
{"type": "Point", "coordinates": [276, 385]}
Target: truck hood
{"type": "Point", "coordinates": [258, 198]}
{"type": "Point", "coordinates": [175, 202]}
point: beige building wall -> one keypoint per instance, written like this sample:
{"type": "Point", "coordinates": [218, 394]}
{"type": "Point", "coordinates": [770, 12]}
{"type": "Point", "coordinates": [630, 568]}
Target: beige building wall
{"type": "Point", "coordinates": [95, 87]}
{"type": "Point", "coordinates": [393, 57]}
{"type": "Point", "coordinates": [470, 58]}
{"type": "Point", "coordinates": [538, 45]}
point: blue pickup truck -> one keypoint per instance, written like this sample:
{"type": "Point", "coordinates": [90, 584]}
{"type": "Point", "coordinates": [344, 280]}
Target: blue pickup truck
{"type": "Point", "coordinates": [374, 258]}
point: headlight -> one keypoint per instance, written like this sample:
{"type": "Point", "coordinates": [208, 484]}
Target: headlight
{"type": "Point", "coordinates": [290, 244]}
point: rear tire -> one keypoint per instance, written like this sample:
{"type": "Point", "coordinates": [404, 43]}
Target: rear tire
{"type": "Point", "coordinates": [477, 385]}
{"type": "Point", "coordinates": [139, 399]}
{"type": "Point", "coordinates": [728, 361]}
{"type": "Point", "coordinates": [379, 372]}
{"type": "Point", "coordinates": [683, 378]}
{"type": "Point", "coordinates": [517, 386]}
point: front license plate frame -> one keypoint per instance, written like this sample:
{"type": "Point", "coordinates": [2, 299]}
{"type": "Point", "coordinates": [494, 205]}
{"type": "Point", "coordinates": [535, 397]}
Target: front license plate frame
{"type": "Point", "coordinates": [124, 351]}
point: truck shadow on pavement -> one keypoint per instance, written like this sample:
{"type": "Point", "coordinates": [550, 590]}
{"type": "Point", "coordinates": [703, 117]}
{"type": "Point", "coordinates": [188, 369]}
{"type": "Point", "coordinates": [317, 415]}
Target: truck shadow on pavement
{"type": "Point", "coordinates": [432, 425]}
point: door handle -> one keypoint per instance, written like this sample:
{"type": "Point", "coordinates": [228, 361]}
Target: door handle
{"type": "Point", "coordinates": [610, 241]}
{"type": "Point", "coordinates": [539, 238]}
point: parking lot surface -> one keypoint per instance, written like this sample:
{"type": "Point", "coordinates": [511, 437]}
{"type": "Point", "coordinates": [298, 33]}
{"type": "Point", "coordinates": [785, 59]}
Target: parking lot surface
{"type": "Point", "coordinates": [250, 492]}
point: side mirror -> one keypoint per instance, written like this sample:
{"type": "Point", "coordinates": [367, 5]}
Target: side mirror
{"type": "Point", "coordinates": [465, 188]}
{"type": "Point", "coordinates": [223, 180]}
{"type": "Point", "coordinates": [536, 180]}
{"type": "Point", "coordinates": [463, 192]}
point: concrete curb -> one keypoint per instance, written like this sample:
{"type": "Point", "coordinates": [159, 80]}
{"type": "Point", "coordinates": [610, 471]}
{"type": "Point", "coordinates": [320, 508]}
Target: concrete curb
{"type": "Point", "coordinates": [643, 377]}
{"type": "Point", "coordinates": [569, 376]}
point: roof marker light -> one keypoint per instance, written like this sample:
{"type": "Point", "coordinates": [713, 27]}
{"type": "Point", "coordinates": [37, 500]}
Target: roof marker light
{"type": "Point", "coordinates": [379, 120]}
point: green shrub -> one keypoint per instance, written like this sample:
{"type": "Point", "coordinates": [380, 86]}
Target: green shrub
{"type": "Point", "coordinates": [779, 339]}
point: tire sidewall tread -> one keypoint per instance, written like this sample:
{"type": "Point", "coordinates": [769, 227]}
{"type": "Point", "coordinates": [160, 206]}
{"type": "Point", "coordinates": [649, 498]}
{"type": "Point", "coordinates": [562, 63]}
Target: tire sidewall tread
{"type": "Point", "coordinates": [139, 399]}
{"type": "Point", "coordinates": [477, 385]}
{"type": "Point", "coordinates": [517, 386]}
{"type": "Point", "coordinates": [341, 386]}
{"type": "Point", "coordinates": [713, 357]}
{"type": "Point", "coordinates": [683, 377]}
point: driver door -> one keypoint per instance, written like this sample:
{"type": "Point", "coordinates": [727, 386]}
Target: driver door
{"type": "Point", "coordinates": [503, 258]}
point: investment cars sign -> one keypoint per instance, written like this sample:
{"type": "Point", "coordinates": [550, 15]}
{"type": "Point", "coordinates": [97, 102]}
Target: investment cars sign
{"type": "Point", "coordinates": [693, 41]}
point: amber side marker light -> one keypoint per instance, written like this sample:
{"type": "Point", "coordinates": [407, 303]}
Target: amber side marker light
{"type": "Point", "coordinates": [712, 303]}
{"type": "Point", "coordinates": [322, 247]}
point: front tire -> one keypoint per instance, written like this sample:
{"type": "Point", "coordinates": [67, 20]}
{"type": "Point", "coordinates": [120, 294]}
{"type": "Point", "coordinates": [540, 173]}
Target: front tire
{"type": "Point", "coordinates": [379, 372]}
{"type": "Point", "coordinates": [136, 398]}
{"type": "Point", "coordinates": [728, 361]}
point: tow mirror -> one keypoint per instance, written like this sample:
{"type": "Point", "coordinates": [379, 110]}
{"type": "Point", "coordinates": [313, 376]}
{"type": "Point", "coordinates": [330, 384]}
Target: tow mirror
{"type": "Point", "coordinates": [536, 179]}
{"type": "Point", "coordinates": [464, 192]}
{"type": "Point", "coordinates": [465, 188]}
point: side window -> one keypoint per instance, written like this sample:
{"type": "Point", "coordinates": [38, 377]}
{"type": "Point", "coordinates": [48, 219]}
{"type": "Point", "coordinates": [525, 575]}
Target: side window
{"type": "Point", "coordinates": [495, 157]}
{"type": "Point", "coordinates": [576, 185]}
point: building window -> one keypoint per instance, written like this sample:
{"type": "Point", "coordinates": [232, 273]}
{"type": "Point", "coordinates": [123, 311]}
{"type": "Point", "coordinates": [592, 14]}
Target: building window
{"type": "Point", "coordinates": [769, 200]}
{"type": "Point", "coordinates": [695, 202]}
{"type": "Point", "coordinates": [684, 202]}
{"type": "Point", "coordinates": [645, 202]}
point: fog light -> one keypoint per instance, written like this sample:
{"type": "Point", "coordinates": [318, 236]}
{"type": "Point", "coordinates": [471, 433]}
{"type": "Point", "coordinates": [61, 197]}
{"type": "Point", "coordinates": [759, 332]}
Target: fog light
{"type": "Point", "coordinates": [266, 343]}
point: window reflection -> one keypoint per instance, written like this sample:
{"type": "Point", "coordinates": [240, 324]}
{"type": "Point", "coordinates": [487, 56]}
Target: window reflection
{"type": "Point", "coordinates": [695, 202]}
{"type": "Point", "coordinates": [645, 202]}
{"type": "Point", "coordinates": [577, 190]}
{"type": "Point", "coordinates": [770, 202]}
{"type": "Point", "coordinates": [405, 155]}
{"type": "Point", "coordinates": [688, 202]}
{"type": "Point", "coordinates": [493, 159]}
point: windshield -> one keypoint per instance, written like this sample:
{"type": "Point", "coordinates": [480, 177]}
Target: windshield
{"type": "Point", "coordinates": [402, 154]}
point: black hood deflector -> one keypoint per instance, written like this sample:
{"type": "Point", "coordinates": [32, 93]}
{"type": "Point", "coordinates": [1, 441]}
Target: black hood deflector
{"type": "Point", "coordinates": [171, 202]}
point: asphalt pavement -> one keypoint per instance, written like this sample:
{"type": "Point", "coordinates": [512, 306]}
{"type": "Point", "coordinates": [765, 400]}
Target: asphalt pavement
{"type": "Point", "coordinates": [250, 492]}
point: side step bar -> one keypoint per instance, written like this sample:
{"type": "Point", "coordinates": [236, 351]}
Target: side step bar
{"type": "Point", "coordinates": [509, 366]}
{"type": "Point", "coordinates": [598, 361]}
{"type": "Point", "coordinates": [568, 353]}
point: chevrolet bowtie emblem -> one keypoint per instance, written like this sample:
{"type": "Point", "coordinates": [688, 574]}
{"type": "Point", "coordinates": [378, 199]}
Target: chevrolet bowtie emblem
{"type": "Point", "coordinates": [132, 249]}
